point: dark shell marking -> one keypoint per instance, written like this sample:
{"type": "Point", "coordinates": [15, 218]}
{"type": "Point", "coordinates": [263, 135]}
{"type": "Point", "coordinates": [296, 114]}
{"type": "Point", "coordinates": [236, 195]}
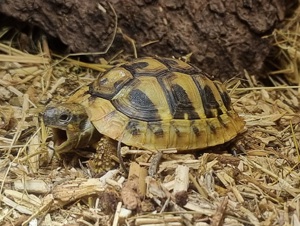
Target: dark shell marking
{"type": "Point", "coordinates": [157, 103]}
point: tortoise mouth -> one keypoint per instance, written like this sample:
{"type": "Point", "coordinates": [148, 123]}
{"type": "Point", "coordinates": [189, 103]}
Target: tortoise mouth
{"type": "Point", "coordinates": [66, 140]}
{"type": "Point", "coordinates": [59, 136]}
{"type": "Point", "coordinates": [62, 141]}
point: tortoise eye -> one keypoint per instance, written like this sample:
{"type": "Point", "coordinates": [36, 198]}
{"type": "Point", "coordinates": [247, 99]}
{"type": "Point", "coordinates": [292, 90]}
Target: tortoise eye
{"type": "Point", "coordinates": [64, 118]}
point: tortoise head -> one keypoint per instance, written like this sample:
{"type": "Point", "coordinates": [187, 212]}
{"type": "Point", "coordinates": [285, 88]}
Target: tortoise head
{"type": "Point", "coordinates": [70, 125]}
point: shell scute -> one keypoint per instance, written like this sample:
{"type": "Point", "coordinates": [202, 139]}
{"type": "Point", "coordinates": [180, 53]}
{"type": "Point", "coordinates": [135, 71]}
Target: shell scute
{"type": "Point", "coordinates": [158, 103]}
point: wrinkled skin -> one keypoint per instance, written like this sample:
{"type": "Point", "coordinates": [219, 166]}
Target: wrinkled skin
{"type": "Point", "coordinates": [71, 127]}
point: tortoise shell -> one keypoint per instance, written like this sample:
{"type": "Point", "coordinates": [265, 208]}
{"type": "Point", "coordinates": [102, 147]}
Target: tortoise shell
{"type": "Point", "coordinates": [160, 103]}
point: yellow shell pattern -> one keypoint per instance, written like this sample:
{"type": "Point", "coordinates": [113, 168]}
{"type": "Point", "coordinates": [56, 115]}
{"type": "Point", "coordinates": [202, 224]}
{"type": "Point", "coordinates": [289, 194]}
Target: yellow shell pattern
{"type": "Point", "coordinates": [160, 103]}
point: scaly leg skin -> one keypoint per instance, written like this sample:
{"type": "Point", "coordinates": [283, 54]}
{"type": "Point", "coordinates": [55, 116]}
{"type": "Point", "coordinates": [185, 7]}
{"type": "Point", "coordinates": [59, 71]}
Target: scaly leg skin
{"type": "Point", "coordinates": [105, 157]}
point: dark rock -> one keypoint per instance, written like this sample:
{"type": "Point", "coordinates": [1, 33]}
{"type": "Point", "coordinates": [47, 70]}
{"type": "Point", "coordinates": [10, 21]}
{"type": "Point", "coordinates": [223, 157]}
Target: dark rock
{"type": "Point", "coordinates": [225, 37]}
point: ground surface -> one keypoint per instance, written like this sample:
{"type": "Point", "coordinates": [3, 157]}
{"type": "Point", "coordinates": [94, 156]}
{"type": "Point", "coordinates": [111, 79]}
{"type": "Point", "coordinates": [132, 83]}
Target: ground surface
{"type": "Point", "coordinates": [258, 186]}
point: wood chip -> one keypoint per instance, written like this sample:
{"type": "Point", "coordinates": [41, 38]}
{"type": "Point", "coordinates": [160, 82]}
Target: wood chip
{"type": "Point", "coordinates": [32, 186]}
{"type": "Point", "coordinates": [181, 179]}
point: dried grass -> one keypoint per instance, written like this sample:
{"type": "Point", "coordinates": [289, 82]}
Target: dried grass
{"type": "Point", "coordinates": [257, 187]}
{"type": "Point", "coordinates": [287, 41]}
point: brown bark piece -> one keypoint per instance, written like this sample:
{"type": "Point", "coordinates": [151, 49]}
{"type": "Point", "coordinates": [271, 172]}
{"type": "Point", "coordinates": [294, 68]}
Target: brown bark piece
{"type": "Point", "coordinates": [129, 194]}
{"type": "Point", "coordinates": [225, 37]}
{"type": "Point", "coordinates": [134, 188]}
{"type": "Point", "coordinates": [70, 191]}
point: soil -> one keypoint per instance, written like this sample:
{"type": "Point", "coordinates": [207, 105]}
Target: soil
{"type": "Point", "coordinates": [224, 37]}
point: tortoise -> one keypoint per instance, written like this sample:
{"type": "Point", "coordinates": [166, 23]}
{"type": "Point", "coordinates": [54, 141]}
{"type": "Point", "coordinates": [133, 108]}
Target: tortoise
{"type": "Point", "coordinates": [149, 103]}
